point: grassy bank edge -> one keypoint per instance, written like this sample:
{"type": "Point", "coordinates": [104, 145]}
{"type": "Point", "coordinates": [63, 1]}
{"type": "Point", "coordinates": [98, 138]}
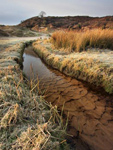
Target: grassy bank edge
{"type": "Point", "coordinates": [27, 120]}
{"type": "Point", "coordinates": [86, 69]}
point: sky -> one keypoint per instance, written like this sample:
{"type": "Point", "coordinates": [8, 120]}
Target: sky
{"type": "Point", "coordinates": [12, 12]}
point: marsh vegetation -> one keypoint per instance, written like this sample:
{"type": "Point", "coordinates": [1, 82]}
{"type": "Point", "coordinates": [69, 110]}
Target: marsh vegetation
{"type": "Point", "coordinates": [94, 66]}
{"type": "Point", "coordinates": [27, 120]}
{"type": "Point", "coordinates": [78, 41]}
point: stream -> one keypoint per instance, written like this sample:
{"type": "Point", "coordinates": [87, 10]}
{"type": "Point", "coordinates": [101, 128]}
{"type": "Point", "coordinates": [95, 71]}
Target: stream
{"type": "Point", "coordinates": [90, 113]}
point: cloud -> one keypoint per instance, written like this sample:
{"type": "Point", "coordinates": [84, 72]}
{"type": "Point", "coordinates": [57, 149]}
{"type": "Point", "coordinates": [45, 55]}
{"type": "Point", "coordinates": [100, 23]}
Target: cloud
{"type": "Point", "coordinates": [13, 11]}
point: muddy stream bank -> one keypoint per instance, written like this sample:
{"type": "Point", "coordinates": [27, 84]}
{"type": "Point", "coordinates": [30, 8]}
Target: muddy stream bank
{"type": "Point", "coordinates": [90, 113]}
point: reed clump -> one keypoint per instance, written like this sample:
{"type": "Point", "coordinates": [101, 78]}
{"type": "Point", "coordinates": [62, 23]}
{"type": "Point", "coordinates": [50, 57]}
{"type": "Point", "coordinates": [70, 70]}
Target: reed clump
{"type": "Point", "coordinates": [80, 41]}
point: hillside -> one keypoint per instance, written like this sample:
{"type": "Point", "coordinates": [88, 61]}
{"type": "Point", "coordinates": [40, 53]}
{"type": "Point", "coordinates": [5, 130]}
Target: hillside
{"type": "Point", "coordinates": [68, 22]}
{"type": "Point", "coordinates": [16, 31]}
{"type": "Point", "coordinates": [3, 33]}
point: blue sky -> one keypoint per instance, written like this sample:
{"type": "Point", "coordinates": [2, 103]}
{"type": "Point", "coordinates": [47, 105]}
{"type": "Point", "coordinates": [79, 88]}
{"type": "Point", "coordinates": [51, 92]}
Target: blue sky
{"type": "Point", "coordinates": [13, 11]}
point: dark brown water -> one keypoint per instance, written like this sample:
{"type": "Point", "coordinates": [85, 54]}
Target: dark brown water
{"type": "Point", "coordinates": [90, 114]}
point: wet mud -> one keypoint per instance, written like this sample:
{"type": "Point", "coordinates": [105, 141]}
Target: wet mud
{"type": "Point", "coordinates": [90, 113]}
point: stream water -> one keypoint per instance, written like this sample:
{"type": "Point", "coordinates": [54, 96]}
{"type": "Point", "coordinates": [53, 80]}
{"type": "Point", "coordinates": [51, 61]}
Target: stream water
{"type": "Point", "coordinates": [90, 113]}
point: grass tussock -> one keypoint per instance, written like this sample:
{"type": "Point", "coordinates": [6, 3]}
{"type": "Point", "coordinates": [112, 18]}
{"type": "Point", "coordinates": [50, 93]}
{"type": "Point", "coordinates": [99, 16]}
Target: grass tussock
{"type": "Point", "coordinates": [80, 41]}
{"type": "Point", "coordinates": [93, 67]}
{"type": "Point", "coordinates": [27, 122]}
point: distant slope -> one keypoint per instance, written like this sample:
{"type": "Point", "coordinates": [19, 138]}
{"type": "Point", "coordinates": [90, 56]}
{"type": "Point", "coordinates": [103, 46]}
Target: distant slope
{"type": "Point", "coordinates": [16, 31]}
{"type": "Point", "coordinates": [68, 22]}
{"type": "Point", "coordinates": [3, 33]}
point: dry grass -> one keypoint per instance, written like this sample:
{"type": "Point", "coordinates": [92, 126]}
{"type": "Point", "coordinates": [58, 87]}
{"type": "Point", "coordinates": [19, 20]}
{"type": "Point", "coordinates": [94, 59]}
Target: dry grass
{"type": "Point", "coordinates": [79, 41]}
{"type": "Point", "coordinates": [27, 122]}
{"type": "Point", "coordinates": [93, 67]}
